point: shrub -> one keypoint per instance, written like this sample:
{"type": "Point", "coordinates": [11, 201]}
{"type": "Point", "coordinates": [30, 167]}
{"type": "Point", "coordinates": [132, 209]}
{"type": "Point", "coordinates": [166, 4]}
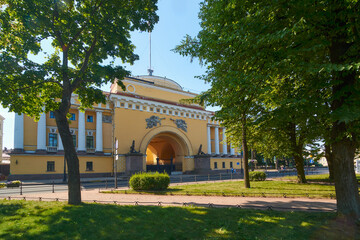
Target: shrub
{"type": "Point", "coordinates": [149, 181]}
{"type": "Point", "coordinates": [15, 183]}
{"type": "Point", "coordinates": [257, 176]}
{"type": "Point", "coordinates": [2, 185]}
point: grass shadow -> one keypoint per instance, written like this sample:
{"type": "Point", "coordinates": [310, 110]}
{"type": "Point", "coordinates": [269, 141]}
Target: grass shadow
{"type": "Point", "coordinates": [96, 221]}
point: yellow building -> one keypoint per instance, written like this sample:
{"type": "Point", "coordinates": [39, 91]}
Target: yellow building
{"type": "Point", "coordinates": [144, 128]}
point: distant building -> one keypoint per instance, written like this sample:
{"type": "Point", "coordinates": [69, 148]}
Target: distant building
{"type": "Point", "coordinates": [144, 128]}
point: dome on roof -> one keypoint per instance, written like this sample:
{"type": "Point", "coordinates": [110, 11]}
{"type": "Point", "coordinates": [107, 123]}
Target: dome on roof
{"type": "Point", "coordinates": [161, 81]}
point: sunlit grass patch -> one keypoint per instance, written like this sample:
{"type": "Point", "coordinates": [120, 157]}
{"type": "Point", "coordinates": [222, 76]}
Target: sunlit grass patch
{"type": "Point", "coordinates": [273, 188]}
{"type": "Point", "coordinates": [56, 220]}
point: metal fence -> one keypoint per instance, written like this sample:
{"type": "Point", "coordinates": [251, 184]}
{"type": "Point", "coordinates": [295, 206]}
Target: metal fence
{"type": "Point", "coordinates": [124, 182]}
{"type": "Point", "coordinates": [188, 204]}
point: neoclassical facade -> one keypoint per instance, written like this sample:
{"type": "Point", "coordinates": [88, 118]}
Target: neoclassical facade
{"type": "Point", "coordinates": [144, 128]}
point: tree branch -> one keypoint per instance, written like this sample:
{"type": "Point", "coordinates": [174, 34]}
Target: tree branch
{"type": "Point", "coordinates": [78, 79]}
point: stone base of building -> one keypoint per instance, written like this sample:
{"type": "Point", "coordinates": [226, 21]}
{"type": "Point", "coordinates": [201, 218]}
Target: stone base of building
{"type": "Point", "coordinates": [134, 163]}
{"type": "Point", "coordinates": [22, 177]}
{"type": "Point", "coordinates": [202, 164]}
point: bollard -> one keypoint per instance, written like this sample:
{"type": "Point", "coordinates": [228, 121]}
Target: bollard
{"type": "Point", "coordinates": [21, 188]}
{"type": "Point", "coordinates": [53, 187]}
{"type": "Point", "coordinates": [106, 184]}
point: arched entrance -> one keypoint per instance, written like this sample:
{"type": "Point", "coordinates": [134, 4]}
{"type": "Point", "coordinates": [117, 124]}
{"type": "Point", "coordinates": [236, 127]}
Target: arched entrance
{"type": "Point", "coordinates": [164, 153]}
{"type": "Point", "coordinates": [166, 148]}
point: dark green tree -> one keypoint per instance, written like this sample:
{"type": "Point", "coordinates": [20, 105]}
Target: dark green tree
{"type": "Point", "coordinates": [309, 42]}
{"type": "Point", "coordinates": [87, 36]}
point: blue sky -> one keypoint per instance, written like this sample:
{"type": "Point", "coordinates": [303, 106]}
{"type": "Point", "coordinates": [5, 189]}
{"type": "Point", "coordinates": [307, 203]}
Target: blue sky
{"type": "Point", "coordinates": [177, 18]}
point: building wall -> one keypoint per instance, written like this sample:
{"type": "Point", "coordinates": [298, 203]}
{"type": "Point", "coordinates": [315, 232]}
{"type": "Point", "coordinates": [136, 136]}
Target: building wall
{"type": "Point", "coordinates": [37, 164]}
{"type": "Point", "coordinates": [129, 114]}
{"type": "Point", "coordinates": [131, 125]}
{"type": "Point", "coordinates": [219, 161]}
{"type": "Point", "coordinates": [154, 91]}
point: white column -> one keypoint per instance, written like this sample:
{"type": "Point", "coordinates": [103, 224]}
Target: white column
{"type": "Point", "coordinates": [60, 146]}
{"type": "Point", "coordinates": [99, 132]}
{"type": "Point", "coordinates": [41, 133]}
{"type": "Point", "coordinates": [217, 150]}
{"type": "Point", "coordinates": [232, 150]}
{"type": "Point", "coordinates": [81, 132]}
{"type": "Point", "coordinates": [19, 132]}
{"type": "Point", "coordinates": [224, 144]}
{"type": "Point", "coordinates": [208, 139]}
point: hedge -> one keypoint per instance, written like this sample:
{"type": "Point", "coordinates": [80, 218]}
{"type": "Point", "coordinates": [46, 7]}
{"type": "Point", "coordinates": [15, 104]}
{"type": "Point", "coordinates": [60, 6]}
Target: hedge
{"type": "Point", "coordinates": [15, 183]}
{"type": "Point", "coordinates": [2, 185]}
{"type": "Point", "coordinates": [257, 176]}
{"type": "Point", "coordinates": [149, 181]}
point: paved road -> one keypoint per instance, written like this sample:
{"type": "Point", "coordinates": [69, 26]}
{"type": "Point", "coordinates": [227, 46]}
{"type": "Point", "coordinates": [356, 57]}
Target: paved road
{"type": "Point", "coordinates": [282, 204]}
{"type": "Point", "coordinates": [58, 186]}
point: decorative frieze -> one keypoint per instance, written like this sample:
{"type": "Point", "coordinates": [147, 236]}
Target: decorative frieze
{"type": "Point", "coordinates": [153, 121]}
{"type": "Point", "coordinates": [180, 124]}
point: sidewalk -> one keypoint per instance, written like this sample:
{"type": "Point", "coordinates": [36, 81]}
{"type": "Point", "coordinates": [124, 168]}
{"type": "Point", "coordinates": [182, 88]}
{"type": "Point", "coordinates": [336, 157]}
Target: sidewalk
{"type": "Point", "coordinates": [282, 204]}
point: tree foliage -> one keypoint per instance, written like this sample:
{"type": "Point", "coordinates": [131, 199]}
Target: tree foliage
{"type": "Point", "coordinates": [294, 59]}
{"type": "Point", "coordinates": [87, 36]}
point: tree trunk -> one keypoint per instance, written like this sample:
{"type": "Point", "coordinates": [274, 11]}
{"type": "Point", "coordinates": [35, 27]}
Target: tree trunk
{"type": "Point", "coordinates": [299, 163]}
{"type": "Point", "coordinates": [246, 155]}
{"type": "Point", "coordinates": [329, 159]}
{"type": "Point", "coordinates": [346, 187]}
{"type": "Point", "coordinates": [74, 192]}
{"type": "Point", "coordinates": [297, 149]}
{"type": "Point", "coordinates": [343, 145]}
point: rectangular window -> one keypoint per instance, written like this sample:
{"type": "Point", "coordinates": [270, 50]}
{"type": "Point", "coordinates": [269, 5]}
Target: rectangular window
{"type": "Point", "coordinates": [164, 111]}
{"type": "Point", "coordinates": [130, 105]}
{"type": "Point", "coordinates": [231, 165]}
{"type": "Point", "coordinates": [74, 140]}
{"type": "Point", "coordinates": [151, 109]}
{"type": "Point", "coordinates": [90, 118]}
{"type": "Point", "coordinates": [176, 113]}
{"type": "Point", "coordinates": [215, 165]}
{"type": "Point", "coordinates": [53, 140]}
{"type": "Point", "coordinates": [158, 110]}
{"type": "Point", "coordinates": [187, 114]}
{"type": "Point", "coordinates": [144, 108]}
{"type": "Point", "coordinates": [50, 166]}
{"type": "Point", "coordinates": [90, 142]}
{"type": "Point", "coordinates": [137, 107]}
{"type": "Point", "coordinates": [223, 163]}
{"type": "Point", "coordinates": [122, 104]}
{"type": "Point", "coordinates": [170, 112]}
{"type": "Point", "coordinates": [72, 118]}
{"type": "Point", "coordinates": [52, 114]}
{"type": "Point", "coordinates": [89, 166]}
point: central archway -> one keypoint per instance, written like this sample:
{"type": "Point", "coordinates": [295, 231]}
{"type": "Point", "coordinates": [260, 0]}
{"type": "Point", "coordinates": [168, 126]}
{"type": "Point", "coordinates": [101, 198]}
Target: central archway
{"type": "Point", "coordinates": [166, 148]}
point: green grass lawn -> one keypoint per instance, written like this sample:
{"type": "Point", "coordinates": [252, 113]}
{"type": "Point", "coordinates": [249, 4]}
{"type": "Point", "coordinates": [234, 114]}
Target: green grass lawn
{"type": "Point", "coordinates": [316, 178]}
{"type": "Point", "coordinates": [236, 188]}
{"type": "Point", "coordinates": [56, 220]}
{"type": "Point", "coordinates": [316, 188]}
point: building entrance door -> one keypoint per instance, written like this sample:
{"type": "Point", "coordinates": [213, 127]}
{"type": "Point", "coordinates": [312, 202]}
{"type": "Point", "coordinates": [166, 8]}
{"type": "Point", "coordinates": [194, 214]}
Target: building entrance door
{"type": "Point", "coordinates": [164, 153]}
